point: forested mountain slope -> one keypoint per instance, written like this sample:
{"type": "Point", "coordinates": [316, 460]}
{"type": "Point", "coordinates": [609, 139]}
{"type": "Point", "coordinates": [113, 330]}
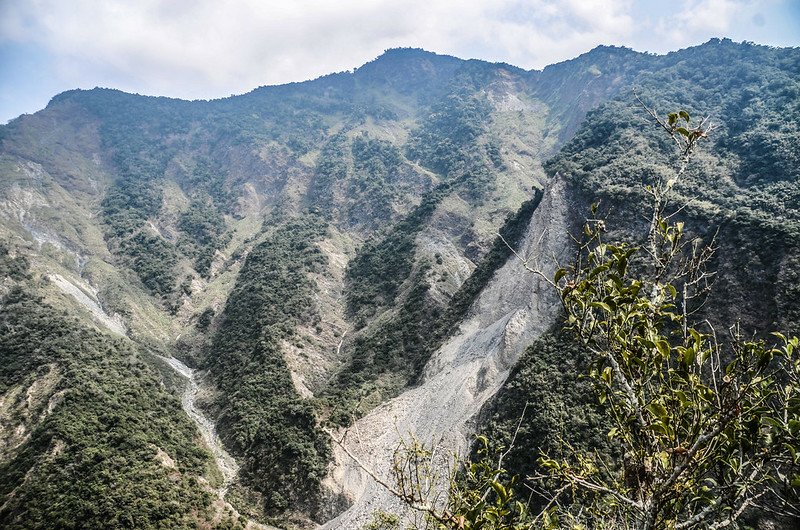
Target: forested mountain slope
{"type": "Point", "coordinates": [325, 254]}
{"type": "Point", "coordinates": [752, 96]}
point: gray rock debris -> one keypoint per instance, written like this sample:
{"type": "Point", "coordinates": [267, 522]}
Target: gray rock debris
{"type": "Point", "coordinates": [515, 308]}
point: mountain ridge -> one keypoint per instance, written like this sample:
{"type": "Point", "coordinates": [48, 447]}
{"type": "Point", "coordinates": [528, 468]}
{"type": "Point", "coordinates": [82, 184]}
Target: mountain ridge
{"type": "Point", "coordinates": [388, 56]}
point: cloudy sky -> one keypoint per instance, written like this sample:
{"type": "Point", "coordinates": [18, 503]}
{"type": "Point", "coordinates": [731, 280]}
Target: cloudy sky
{"type": "Point", "coordinates": [213, 48]}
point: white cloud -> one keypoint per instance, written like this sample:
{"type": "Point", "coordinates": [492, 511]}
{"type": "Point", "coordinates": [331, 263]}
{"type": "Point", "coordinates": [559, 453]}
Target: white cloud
{"type": "Point", "coordinates": [713, 15]}
{"type": "Point", "coordinates": [698, 20]}
{"type": "Point", "coordinates": [212, 48]}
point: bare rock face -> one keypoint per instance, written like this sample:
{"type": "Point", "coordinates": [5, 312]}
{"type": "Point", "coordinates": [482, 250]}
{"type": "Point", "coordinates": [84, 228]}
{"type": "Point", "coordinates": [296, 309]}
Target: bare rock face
{"type": "Point", "coordinates": [515, 308]}
{"type": "Point", "coordinates": [86, 296]}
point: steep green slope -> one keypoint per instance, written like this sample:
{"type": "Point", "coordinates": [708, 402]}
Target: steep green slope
{"type": "Point", "coordinates": [742, 188]}
{"type": "Point", "coordinates": [94, 439]}
{"type": "Point", "coordinates": [619, 149]}
{"type": "Point", "coordinates": [261, 416]}
{"type": "Point", "coordinates": [751, 95]}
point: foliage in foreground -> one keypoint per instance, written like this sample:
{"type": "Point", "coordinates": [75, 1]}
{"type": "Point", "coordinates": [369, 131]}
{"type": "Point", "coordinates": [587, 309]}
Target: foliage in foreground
{"type": "Point", "coordinates": [709, 427]}
{"type": "Point", "coordinates": [471, 496]}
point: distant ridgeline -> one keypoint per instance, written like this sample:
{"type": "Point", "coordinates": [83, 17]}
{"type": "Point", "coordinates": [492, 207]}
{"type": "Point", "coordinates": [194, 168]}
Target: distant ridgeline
{"type": "Point", "coordinates": [311, 245]}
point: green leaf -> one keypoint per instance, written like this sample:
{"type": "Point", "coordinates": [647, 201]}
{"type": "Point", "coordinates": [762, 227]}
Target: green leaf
{"type": "Point", "coordinates": [657, 409]}
{"type": "Point", "coordinates": [764, 359]}
{"type": "Point", "coordinates": [502, 494]}
{"type": "Point", "coordinates": [672, 291]}
{"type": "Point", "coordinates": [791, 450]}
{"type": "Point", "coordinates": [602, 305]}
{"type": "Point", "coordinates": [622, 264]}
{"type": "Point", "coordinates": [659, 427]}
{"type": "Point", "coordinates": [794, 427]}
{"type": "Point", "coordinates": [672, 118]}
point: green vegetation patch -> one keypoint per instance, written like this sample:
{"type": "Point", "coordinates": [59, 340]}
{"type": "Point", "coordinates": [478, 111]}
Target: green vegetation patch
{"type": "Point", "coordinates": [113, 449]}
{"type": "Point", "coordinates": [443, 142]}
{"type": "Point", "coordinates": [373, 278]}
{"type": "Point", "coordinates": [372, 189]}
{"type": "Point", "coordinates": [387, 356]}
{"type": "Point", "coordinates": [203, 233]}
{"type": "Point", "coordinates": [749, 169]}
{"type": "Point", "coordinates": [546, 403]}
{"type": "Point", "coordinates": [263, 420]}
{"type": "Point", "coordinates": [450, 142]}
{"type": "Point", "coordinates": [13, 267]}
{"type": "Point", "coordinates": [332, 168]}
{"type": "Point", "coordinates": [143, 135]}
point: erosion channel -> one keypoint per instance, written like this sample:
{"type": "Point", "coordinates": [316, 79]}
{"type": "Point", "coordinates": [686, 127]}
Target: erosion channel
{"type": "Point", "coordinates": [225, 462]}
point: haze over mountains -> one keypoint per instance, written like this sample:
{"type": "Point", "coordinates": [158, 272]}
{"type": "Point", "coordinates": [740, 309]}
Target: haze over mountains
{"type": "Point", "coordinates": [322, 257]}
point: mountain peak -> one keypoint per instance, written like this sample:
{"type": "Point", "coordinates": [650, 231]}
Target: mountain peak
{"type": "Point", "coordinates": [406, 52]}
{"type": "Point", "coordinates": [409, 69]}
{"type": "Point", "coordinates": [409, 56]}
